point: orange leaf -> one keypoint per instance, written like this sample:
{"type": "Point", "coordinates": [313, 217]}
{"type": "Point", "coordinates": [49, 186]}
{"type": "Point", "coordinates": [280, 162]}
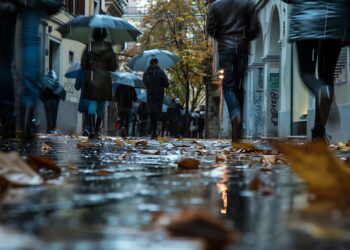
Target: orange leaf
{"type": "Point", "coordinates": [103, 172]}
{"type": "Point", "coordinates": [188, 163]}
{"type": "Point", "coordinates": [45, 166]}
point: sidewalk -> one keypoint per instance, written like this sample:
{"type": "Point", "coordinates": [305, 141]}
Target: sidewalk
{"type": "Point", "coordinates": [112, 192]}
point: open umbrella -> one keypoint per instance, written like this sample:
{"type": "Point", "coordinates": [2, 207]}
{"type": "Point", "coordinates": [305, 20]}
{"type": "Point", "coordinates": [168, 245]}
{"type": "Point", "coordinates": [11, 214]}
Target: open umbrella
{"type": "Point", "coordinates": [73, 70]}
{"type": "Point", "coordinates": [126, 78]}
{"type": "Point", "coordinates": [80, 29]}
{"type": "Point", "coordinates": [165, 58]}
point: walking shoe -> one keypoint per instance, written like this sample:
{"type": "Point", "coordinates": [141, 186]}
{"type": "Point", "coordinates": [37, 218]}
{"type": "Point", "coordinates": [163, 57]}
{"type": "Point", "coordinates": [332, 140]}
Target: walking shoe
{"type": "Point", "coordinates": [123, 132]}
{"type": "Point", "coordinates": [319, 135]}
{"type": "Point", "coordinates": [236, 129]}
{"type": "Point", "coordinates": [91, 126]}
{"type": "Point", "coordinates": [98, 127]}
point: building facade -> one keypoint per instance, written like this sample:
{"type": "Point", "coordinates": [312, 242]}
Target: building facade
{"type": "Point", "coordinates": [277, 104]}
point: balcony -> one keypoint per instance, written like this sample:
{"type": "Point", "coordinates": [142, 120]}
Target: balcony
{"type": "Point", "coordinates": [116, 7]}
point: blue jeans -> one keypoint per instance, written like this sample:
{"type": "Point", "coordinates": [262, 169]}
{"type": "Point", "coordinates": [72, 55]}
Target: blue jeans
{"type": "Point", "coordinates": [30, 43]}
{"type": "Point", "coordinates": [234, 63]}
{"type": "Point", "coordinates": [97, 108]}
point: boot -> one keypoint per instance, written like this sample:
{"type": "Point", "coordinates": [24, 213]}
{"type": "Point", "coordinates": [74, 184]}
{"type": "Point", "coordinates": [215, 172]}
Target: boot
{"type": "Point", "coordinates": [236, 130]}
{"type": "Point", "coordinates": [319, 135]}
{"type": "Point", "coordinates": [91, 126]}
{"type": "Point", "coordinates": [29, 124]}
{"type": "Point", "coordinates": [98, 127]}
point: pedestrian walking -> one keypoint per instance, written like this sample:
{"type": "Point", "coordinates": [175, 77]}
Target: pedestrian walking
{"type": "Point", "coordinates": [142, 117]}
{"type": "Point", "coordinates": [125, 96]}
{"type": "Point", "coordinates": [320, 28]}
{"type": "Point", "coordinates": [51, 96]}
{"type": "Point", "coordinates": [233, 24]}
{"type": "Point", "coordinates": [155, 80]}
{"type": "Point", "coordinates": [83, 102]}
{"type": "Point", "coordinates": [97, 61]}
{"type": "Point", "coordinates": [30, 13]}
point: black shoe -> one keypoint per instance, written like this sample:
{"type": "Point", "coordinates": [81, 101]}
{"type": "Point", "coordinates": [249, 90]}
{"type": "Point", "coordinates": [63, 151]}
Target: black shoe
{"type": "Point", "coordinates": [86, 132]}
{"type": "Point", "coordinates": [123, 132]}
{"type": "Point", "coordinates": [319, 135]}
{"type": "Point", "coordinates": [98, 127]}
{"type": "Point", "coordinates": [30, 124]}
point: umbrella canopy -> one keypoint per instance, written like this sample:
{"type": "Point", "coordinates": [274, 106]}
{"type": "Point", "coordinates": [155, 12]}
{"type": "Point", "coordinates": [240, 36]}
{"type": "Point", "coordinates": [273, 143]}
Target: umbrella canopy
{"type": "Point", "coordinates": [164, 108]}
{"type": "Point", "coordinates": [126, 78]}
{"type": "Point", "coordinates": [73, 70]}
{"type": "Point", "coordinates": [165, 58]}
{"type": "Point", "coordinates": [80, 29]}
{"type": "Point", "coordinates": [167, 101]}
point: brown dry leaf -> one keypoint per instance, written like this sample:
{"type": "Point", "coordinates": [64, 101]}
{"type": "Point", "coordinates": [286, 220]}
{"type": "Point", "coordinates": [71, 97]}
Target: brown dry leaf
{"type": "Point", "coordinates": [143, 143]}
{"type": "Point", "coordinates": [119, 142]}
{"type": "Point", "coordinates": [162, 139]}
{"type": "Point", "coordinates": [16, 171]}
{"type": "Point", "coordinates": [245, 147]}
{"type": "Point", "coordinates": [324, 174]}
{"type": "Point", "coordinates": [45, 148]}
{"type": "Point", "coordinates": [45, 166]}
{"type": "Point", "coordinates": [130, 142]}
{"type": "Point", "coordinates": [199, 145]}
{"type": "Point", "coordinates": [103, 172]}
{"type": "Point", "coordinates": [150, 152]}
{"type": "Point", "coordinates": [220, 157]}
{"type": "Point", "coordinates": [188, 163]}
{"type": "Point", "coordinates": [84, 144]}
{"type": "Point", "coordinates": [202, 224]}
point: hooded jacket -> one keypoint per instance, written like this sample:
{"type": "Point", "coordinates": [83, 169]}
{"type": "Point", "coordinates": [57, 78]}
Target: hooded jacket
{"type": "Point", "coordinates": [233, 23]}
{"type": "Point", "coordinates": [98, 61]}
{"type": "Point", "coordinates": [155, 80]}
{"type": "Point", "coordinates": [319, 19]}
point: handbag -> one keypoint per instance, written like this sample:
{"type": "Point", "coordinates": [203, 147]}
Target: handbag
{"type": "Point", "coordinates": [49, 6]}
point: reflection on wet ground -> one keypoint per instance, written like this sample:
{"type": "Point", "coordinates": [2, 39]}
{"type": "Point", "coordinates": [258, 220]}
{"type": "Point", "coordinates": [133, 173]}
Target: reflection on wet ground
{"type": "Point", "coordinates": [85, 209]}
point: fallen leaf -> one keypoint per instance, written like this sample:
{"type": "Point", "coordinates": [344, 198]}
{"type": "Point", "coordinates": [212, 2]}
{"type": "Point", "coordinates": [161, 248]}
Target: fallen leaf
{"type": "Point", "coordinates": [45, 166]}
{"type": "Point", "coordinates": [141, 143]}
{"type": "Point", "coordinates": [124, 155]}
{"type": "Point", "coordinates": [84, 144]}
{"type": "Point", "coordinates": [103, 172]}
{"type": "Point", "coordinates": [199, 146]}
{"type": "Point", "coordinates": [245, 147]}
{"type": "Point", "coordinates": [45, 148]}
{"type": "Point", "coordinates": [202, 224]}
{"type": "Point", "coordinates": [324, 174]}
{"type": "Point", "coordinates": [162, 139]}
{"type": "Point", "coordinates": [16, 171]}
{"type": "Point", "coordinates": [119, 142]}
{"type": "Point", "coordinates": [188, 163]}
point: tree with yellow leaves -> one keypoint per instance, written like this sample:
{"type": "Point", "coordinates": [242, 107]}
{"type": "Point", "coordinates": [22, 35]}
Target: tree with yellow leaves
{"type": "Point", "coordinates": [179, 26]}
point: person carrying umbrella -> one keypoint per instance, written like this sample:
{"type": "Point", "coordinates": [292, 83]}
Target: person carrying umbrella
{"type": "Point", "coordinates": [97, 61]}
{"type": "Point", "coordinates": [155, 80]}
{"type": "Point", "coordinates": [125, 96]}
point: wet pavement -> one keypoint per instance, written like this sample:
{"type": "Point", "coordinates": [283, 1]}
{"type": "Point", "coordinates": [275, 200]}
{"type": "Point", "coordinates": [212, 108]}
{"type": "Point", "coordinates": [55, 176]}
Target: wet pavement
{"type": "Point", "coordinates": [111, 191]}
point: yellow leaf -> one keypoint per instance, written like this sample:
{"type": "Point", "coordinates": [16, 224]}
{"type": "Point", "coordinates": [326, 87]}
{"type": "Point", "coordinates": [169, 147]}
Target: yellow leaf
{"type": "Point", "coordinates": [245, 147]}
{"type": "Point", "coordinates": [119, 142]}
{"type": "Point", "coordinates": [188, 163]}
{"type": "Point", "coordinates": [324, 174]}
{"type": "Point", "coordinates": [162, 139]}
{"type": "Point", "coordinates": [103, 172]}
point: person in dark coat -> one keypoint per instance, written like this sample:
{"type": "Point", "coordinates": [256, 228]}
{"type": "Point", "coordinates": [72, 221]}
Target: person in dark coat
{"type": "Point", "coordinates": [142, 117]}
{"type": "Point", "coordinates": [320, 28]}
{"type": "Point", "coordinates": [155, 80]}
{"type": "Point", "coordinates": [125, 96]}
{"type": "Point", "coordinates": [51, 97]}
{"type": "Point", "coordinates": [98, 60]}
{"type": "Point", "coordinates": [83, 103]}
{"type": "Point", "coordinates": [233, 24]}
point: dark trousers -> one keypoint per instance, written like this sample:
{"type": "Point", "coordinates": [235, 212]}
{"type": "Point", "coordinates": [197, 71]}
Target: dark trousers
{"type": "Point", "coordinates": [234, 63]}
{"type": "Point", "coordinates": [322, 55]}
{"type": "Point", "coordinates": [51, 110]}
{"type": "Point", "coordinates": [124, 120]}
{"type": "Point", "coordinates": [154, 121]}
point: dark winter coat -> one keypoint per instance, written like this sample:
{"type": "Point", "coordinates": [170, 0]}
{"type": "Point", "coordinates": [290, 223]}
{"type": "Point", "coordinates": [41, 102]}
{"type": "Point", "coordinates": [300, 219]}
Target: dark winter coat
{"type": "Point", "coordinates": [319, 19]}
{"type": "Point", "coordinates": [233, 23]}
{"type": "Point", "coordinates": [155, 80]}
{"type": "Point", "coordinates": [98, 61]}
{"type": "Point", "coordinates": [125, 96]}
